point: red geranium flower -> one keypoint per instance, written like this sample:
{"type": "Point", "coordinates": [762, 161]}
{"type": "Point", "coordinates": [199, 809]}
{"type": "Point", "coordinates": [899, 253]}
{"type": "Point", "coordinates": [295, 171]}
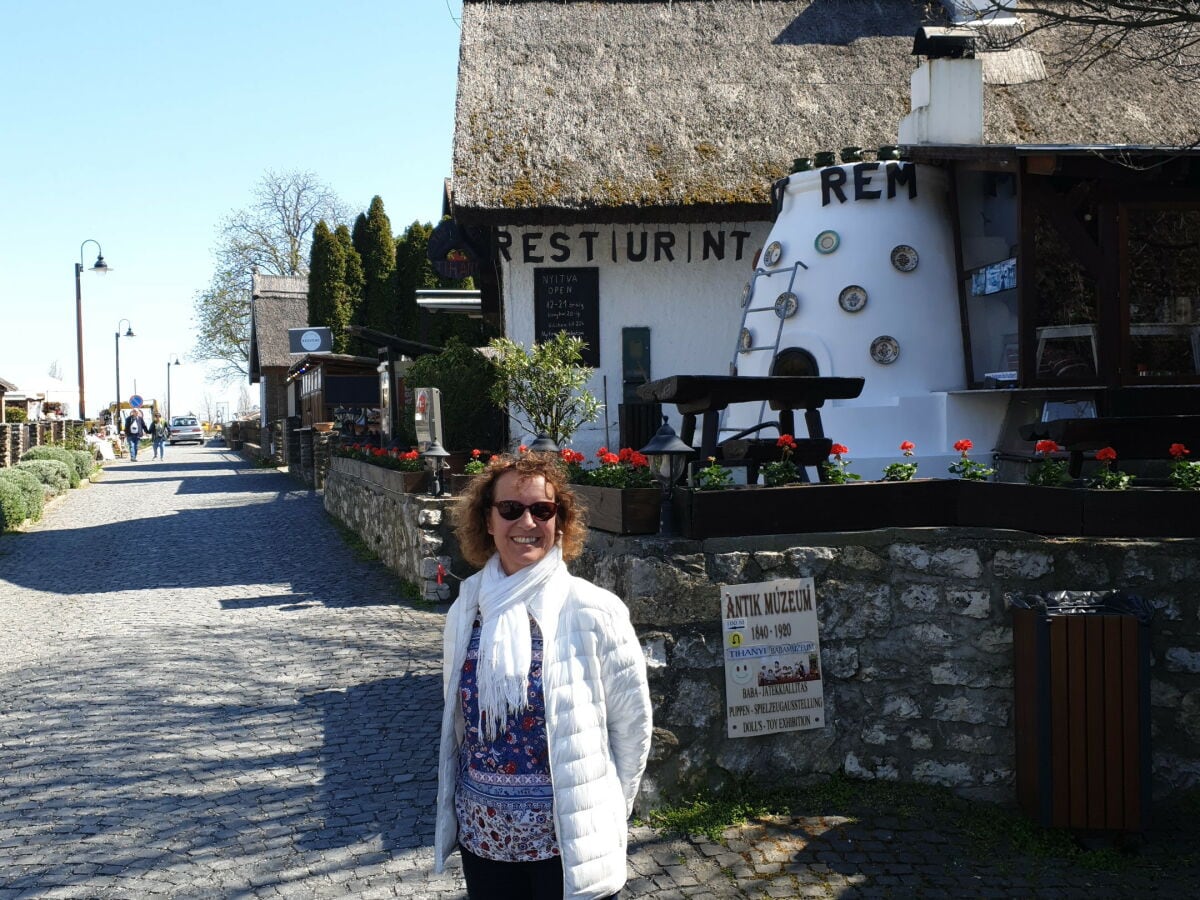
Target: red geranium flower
{"type": "Point", "coordinates": [907, 446]}
{"type": "Point", "coordinates": [522, 449]}
{"type": "Point", "coordinates": [625, 453]}
{"type": "Point", "coordinates": [1046, 447]}
{"type": "Point", "coordinates": [609, 459]}
{"type": "Point", "coordinates": [601, 452]}
{"type": "Point", "coordinates": [475, 454]}
{"type": "Point", "coordinates": [963, 446]}
{"type": "Point", "coordinates": [839, 449]}
{"type": "Point", "coordinates": [1178, 451]}
{"type": "Point", "coordinates": [638, 460]}
{"type": "Point", "coordinates": [786, 440]}
{"type": "Point", "coordinates": [1106, 455]}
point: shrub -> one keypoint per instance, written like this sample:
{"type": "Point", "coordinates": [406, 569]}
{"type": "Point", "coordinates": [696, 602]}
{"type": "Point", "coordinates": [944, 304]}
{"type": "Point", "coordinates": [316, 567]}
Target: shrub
{"type": "Point", "coordinates": [15, 414]}
{"type": "Point", "coordinates": [66, 457]}
{"type": "Point", "coordinates": [53, 473]}
{"type": "Point", "coordinates": [35, 496]}
{"type": "Point", "coordinates": [85, 462]}
{"type": "Point", "coordinates": [464, 377]}
{"type": "Point", "coordinates": [12, 505]}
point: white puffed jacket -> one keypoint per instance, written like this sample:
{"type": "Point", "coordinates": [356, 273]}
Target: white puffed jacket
{"type": "Point", "coordinates": [598, 725]}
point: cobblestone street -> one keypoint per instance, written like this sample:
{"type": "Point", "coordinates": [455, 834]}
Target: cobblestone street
{"type": "Point", "coordinates": [205, 694]}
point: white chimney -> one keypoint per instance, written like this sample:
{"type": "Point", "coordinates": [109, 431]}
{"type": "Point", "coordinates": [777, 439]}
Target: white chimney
{"type": "Point", "coordinates": [990, 12]}
{"type": "Point", "coordinates": [947, 103]}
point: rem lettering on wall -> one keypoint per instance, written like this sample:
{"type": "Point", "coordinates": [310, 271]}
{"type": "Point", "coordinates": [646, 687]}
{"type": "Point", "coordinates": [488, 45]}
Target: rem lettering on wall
{"type": "Point", "coordinates": [635, 245]}
{"type": "Point", "coordinates": [866, 181]}
{"type": "Point", "coordinates": [568, 300]}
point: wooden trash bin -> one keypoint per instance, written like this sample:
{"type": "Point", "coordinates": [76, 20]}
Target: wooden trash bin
{"type": "Point", "coordinates": [1082, 710]}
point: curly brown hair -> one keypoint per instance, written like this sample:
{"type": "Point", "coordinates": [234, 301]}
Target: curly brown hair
{"type": "Point", "coordinates": [472, 511]}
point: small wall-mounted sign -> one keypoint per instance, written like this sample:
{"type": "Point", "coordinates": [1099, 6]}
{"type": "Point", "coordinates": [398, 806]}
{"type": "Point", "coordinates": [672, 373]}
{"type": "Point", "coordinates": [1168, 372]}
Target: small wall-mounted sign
{"type": "Point", "coordinates": [310, 340]}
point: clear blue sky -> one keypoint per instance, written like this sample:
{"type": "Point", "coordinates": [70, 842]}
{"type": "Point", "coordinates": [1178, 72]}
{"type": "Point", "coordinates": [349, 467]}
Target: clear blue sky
{"type": "Point", "coordinates": [141, 125]}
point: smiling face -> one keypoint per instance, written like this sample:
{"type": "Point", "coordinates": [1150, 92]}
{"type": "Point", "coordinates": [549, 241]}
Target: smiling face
{"type": "Point", "coordinates": [526, 540]}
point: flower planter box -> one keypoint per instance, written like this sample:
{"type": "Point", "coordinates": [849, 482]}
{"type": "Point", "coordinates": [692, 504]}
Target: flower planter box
{"type": "Point", "coordinates": [621, 510]}
{"type": "Point", "coordinates": [792, 509]}
{"type": "Point", "coordinates": [389, 479]}
{"type": "Point", "coordinates": [1024, 507]}
{"type": "Point", "coordinates": [1141, 512]}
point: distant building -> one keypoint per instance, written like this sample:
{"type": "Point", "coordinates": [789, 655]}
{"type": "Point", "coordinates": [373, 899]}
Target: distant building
{"type": "Point", "coordinates": [278, 303]}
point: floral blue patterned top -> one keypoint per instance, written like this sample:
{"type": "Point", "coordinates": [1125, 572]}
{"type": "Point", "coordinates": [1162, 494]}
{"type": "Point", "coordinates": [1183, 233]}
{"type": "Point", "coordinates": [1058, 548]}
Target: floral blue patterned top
{"type": "Point", "coordinates": [503, 799]}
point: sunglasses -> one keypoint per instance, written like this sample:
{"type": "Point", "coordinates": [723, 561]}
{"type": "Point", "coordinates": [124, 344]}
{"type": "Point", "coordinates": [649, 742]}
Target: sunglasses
{"type": "Point", "coordinates": [511, 510]}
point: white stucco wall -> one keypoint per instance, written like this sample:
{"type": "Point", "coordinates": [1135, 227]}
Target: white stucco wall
{"type": "Point", "coordinates": [690, 303]}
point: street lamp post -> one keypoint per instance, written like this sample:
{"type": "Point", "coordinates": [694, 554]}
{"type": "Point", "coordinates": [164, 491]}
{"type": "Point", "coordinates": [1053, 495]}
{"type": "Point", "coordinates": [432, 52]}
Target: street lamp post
{"type": "Point", "coordinates": [169, 364]}
{"type": "Point", "coordinates": [117, 342]}
{"type": "Point", "coordinates": [100, 267]}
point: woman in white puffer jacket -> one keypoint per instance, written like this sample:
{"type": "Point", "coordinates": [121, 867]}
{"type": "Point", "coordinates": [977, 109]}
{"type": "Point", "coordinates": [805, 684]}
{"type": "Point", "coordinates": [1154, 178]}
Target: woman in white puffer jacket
{"type": "Point", "coordinates": [547, 721]}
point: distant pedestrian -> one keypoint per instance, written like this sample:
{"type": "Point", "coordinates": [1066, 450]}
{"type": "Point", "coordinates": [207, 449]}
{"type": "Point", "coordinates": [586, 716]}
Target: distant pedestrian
{"type": "Point", "coordinates": [135, 430]}
{"type": "Point", "coordinates": [159, 431]}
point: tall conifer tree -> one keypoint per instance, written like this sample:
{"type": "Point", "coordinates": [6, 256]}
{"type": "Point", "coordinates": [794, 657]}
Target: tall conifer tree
{"type": "Point", "coordinates": [327, 295]}
{"type": "Point", "coordinates": [378, 248]}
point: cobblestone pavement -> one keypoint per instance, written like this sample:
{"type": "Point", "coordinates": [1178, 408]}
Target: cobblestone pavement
{"type": "Point", "coordinates": [203, 693]}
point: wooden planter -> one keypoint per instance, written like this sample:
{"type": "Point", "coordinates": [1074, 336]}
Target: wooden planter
{"type": "Point", "coordinates": [779, 510]}
{"type": "Point", "coordinates": [387, 479]}
{"type": "Point", "coordinates": [621, 511]}
{"type": "Point", "coordinates": [1141, 512]}
{"type": "Point", "coordinates": [1024, 507]}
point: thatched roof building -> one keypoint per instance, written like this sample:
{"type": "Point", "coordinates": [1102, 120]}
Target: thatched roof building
{"type": "Point", "coordinates": [278, 302]}
{"type": "Point", "coordinates": [688, 110]}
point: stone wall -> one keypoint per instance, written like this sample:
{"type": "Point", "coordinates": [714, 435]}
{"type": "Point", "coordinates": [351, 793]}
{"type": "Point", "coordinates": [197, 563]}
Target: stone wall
{"type": "Point", "coordinates": [17, 437]}
{"type": "Point", "coordinates": [411, 532]}
{"type": "Point", "coordinates": [916, 649]}
{"type": "Point", "coordinates": [916, 637]}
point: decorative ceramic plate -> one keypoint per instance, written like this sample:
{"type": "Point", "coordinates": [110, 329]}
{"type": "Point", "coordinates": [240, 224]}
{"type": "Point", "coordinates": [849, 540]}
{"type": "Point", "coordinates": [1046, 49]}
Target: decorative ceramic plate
{"type": "Point", "coordinates": [745, 340]}
{"type": "Point", "coordinates": [885, 350]}
{"type": "Point", "coordinates": [827, 241]}
{"type": "Point", "coordinates": [852, 298]}
{"type": "Point", "coordinates": [773, 254]}
{"type": "Point", "coordinates": [904, 257]}
{"type": "Point", "coordinates": [747, 291]}
{"type": "Point", "coordinates": [786, 305]}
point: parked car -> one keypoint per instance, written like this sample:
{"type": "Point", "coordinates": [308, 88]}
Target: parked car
{"type": "Point", "coordinates": [185, 429]}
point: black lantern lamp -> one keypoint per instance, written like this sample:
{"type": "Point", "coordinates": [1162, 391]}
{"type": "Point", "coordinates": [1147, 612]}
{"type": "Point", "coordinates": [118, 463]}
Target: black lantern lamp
{"type": "Point", "coordinates": [435, 457]}
{"type": "Point", "coordinates": [668, 457]}
{"type": "Point", "coordinates": [543, 444]}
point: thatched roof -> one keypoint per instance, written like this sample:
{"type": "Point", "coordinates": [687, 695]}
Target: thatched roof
{"type": "Point", "coordinates": [7, 387]}
{"type": "Point", "coordinates": [278, 302]}
{"type": "Point", "coordinates": [688, 110]}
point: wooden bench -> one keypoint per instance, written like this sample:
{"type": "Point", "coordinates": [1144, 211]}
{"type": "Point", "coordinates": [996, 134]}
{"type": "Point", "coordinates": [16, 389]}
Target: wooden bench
{"type": "Point", "coordinates": [708, 395]}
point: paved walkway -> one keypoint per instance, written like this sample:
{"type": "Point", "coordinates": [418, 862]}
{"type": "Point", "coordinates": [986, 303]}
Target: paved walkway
{"type": "Point", "coordinates": [203, 694]}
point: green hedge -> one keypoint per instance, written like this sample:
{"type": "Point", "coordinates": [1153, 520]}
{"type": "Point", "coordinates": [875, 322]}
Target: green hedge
{"type": "Point", "coordinates": [27, 482]}
{"type": "Point", "coordinates": [12, 505]}
{"type": "Point", "coordinates": [85, 461]}
{"type": "Point", "coordinates": [53, 473]}
{"type": "Point", "coordinates": [66, 457]}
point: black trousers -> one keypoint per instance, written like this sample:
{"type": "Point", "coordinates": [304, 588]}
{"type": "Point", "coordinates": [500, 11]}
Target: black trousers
{"type": "Point", "coordinates": [488, 879]}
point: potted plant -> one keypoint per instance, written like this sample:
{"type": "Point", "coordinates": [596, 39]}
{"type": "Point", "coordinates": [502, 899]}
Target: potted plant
{"type": "Point", "coordinates": [1044, 508]}
{"type": "Point", "coordinates": [475, 465]}
{"type": "Point", "coordinates": [543, 389]}
{"type": "Point", "coordinates": [620, 493]}
{"type": "Point", "coordinates": [1116, 510]}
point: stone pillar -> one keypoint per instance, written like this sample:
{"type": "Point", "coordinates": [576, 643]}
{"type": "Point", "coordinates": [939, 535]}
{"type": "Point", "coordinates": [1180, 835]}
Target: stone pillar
{"type": "Point", "coordinates": [276, 449]}
{"type": "Point", "coordinates": [291, 441]}
{"type": "Point", "coordinates": [5, 443]}
{"type": "Point", "coordinates": [321, 453]}
{"type": "Point", "coordinates": [306, 456]}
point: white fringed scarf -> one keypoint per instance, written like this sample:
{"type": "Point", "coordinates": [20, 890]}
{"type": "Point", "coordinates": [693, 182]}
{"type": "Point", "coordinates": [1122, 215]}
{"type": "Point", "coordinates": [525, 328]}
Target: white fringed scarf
{"type": "Point", "coordinates": [505, 642]}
